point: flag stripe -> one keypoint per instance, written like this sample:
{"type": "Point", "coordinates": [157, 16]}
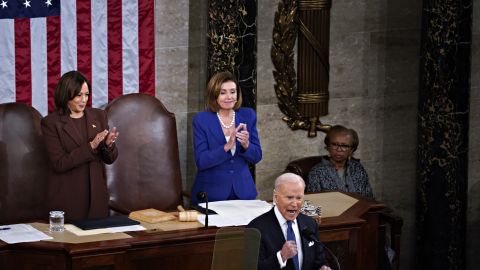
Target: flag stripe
{"type": "Point", "coordinates": [68, 36]}
{"type": "Point", "coordinates": [114, 22]}
{"type": "Point", "coordinates": [7, 60]}
{"type": "Point", "coordinates": [130, 47]}
{"type": "Point", "coordinates": [100, 54]}
{"type": "Point", "coordinates": [146, 47]}
{"type": "Point", "coordinates": [23, 70]}
{"type": "Point", "coordinates": [53, 57]}
{"type": "Point", "coordinates": [110, 41]}
{"type": "Point", "coordinates": [84, 40]}
{"type": "Point", "coordinates": [38, 46]}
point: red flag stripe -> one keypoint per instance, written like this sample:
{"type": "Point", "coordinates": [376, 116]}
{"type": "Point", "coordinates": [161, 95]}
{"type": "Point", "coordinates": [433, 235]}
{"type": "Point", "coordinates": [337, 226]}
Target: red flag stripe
{"type": "Point", "coordinates": [53, 58]}
{"type": "Point", "coordinates": [84, 40]}
{"type": "Point", "coordinates": [114, 28]}
{"type": "Point", "coordinates": [146, 46]}
{"type": "Point", "coordinates": [23, 65]}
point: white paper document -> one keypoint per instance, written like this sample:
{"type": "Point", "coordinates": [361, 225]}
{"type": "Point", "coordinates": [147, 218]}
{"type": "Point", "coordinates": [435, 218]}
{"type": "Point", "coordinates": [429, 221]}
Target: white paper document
{"type": "Point", "coordinates": [234, 212]}
{"type": "Point", "coordinates": [79, 232]}
{"type": "Point", "coordinates": [18, 233]}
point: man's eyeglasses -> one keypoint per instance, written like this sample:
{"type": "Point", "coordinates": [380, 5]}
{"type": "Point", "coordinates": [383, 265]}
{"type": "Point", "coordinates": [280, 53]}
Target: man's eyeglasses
{"type": "Point", "coordinates": [340, 147]}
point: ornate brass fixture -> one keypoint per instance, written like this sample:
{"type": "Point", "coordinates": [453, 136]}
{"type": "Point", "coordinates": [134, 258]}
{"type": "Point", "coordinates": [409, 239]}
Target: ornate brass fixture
{"type": "Point", "coordinates": [305, 102]}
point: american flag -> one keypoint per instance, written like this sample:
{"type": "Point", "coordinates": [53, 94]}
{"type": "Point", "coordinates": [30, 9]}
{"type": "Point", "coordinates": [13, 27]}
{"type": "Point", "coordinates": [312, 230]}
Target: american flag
{"type": "Point", "coordinates": [110, 41]}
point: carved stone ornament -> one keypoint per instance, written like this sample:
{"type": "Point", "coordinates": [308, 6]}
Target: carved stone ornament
{"type": "Point", "coordinates": [285, 33]}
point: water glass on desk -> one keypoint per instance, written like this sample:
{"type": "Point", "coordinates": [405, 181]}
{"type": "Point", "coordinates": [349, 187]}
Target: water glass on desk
{"type": "Point", "coordinates": [57, 219]}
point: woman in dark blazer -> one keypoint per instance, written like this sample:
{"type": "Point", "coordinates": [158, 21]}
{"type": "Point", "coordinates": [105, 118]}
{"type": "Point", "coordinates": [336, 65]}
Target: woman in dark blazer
{"type": "Point", "coordinates": [78, 143]}
{"type": "Point", "coordinates": [225, 142]}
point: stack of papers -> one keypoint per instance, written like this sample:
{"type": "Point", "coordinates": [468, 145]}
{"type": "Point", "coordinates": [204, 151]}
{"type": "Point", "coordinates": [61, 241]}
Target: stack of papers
{"type": "Point", "coordinates": [79, 232]}
{"type": "Point", "coordinates": [17, 233]}
{"type": "Point", "coordinates": [234, 212]}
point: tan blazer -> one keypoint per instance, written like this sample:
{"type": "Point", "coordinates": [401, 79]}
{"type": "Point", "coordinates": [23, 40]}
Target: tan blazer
{"type": "Point", "coordinates": [77, 182]}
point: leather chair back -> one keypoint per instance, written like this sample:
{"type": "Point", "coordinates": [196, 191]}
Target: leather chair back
{"type": "Point", "coordinates": [23, 165]}
{"type": "Point", "coordinates": [302, 166]}
{"type": "Point", "coordinates": [146, 173]}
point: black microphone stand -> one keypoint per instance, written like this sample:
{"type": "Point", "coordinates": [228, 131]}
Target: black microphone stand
{"type": "Point", "coordinates": [310, 236]}
{"type": "Point", "coordinates": [206, 211]}
{"type": "Point", "coordinates": [202, 196]}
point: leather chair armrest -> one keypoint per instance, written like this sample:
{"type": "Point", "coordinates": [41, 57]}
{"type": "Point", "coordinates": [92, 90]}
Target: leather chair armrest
{"type": "Point", "coordinates": [118, 208]}
{"type": "Point", "coordinates": [186, 194]}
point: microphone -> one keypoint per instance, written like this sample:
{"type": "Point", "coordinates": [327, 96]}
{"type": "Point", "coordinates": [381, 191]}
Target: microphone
{"type": "Point", "coordinates": [310, 236]}
{"type": "Point", "coordinates": [203, 196]}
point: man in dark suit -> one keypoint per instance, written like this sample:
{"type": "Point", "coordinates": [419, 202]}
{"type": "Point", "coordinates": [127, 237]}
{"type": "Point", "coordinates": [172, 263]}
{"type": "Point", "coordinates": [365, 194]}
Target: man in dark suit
{"type": "Point", "coordinates": [282, 244]}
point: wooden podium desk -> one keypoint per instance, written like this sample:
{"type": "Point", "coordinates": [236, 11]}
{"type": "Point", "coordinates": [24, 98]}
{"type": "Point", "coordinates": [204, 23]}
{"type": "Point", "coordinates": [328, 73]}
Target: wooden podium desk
{"type": "Point", "coordinates": [352, 233]}
{"type": "Point", "coordinates": [352, 236]}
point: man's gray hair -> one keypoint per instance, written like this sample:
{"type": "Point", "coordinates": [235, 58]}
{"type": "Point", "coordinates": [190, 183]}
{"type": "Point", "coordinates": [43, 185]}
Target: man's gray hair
{"type": "Point", "coordinates": [288, 178]}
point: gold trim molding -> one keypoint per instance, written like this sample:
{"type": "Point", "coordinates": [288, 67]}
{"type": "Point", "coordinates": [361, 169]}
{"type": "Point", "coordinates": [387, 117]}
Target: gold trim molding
{"type": "Point", "coordinates": [285, 31]}
{"type": "Point", "coordinates": [314, 4]}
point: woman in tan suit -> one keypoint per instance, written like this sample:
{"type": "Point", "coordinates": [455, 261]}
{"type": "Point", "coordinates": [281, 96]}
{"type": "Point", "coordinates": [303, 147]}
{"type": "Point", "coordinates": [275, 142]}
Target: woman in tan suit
{"type": "Point", "coordinates": [78, 143]}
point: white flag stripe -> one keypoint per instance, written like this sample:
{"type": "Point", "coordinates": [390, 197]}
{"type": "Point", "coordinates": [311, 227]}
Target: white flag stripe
{"type": "Point", "coordinates": [68, 11]}
{"type": "Point", "coordinates": [99, 54]}
{"type": "Point", "coordinates": [130, 47]}
{"type": "Point", "coordinates": [38, 44]}
{"type": "Point", "coordinates": [7, 61]}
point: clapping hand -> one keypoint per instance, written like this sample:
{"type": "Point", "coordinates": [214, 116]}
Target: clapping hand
{"type": "Point", "coordinates": [109, 138]}
{"type": "Point", "coordinates": [231, 142]}
{"type": "Point", "coordinates": [112, 136]}
{"type": "Point", "coordinates": [98, 139]}
{"type": "Point", "coordinates": [243, 135]}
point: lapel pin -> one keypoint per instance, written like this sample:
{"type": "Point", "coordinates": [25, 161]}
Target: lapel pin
{"type": "Point", "coordinates": [94, 126]}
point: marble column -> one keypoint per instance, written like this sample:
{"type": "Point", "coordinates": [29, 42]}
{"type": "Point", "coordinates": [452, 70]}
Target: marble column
{"type": "Point", "coordinates": [443, 115]}
{"type": "Point", "coordinates": [232, 43]}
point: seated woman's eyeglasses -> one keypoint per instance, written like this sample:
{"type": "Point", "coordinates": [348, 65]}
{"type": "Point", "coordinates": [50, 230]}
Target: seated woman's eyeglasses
{"type": "Point", "coordinates": [340, 147]}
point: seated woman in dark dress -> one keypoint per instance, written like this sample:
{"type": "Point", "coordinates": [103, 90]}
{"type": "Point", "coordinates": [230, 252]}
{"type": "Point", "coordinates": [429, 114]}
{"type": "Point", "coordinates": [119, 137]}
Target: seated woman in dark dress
{"type": "Point", "coordinates": [338, 170]}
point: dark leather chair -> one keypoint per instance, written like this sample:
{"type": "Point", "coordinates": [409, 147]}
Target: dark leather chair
{"type": "Point", "coordinates": [390, 223]}
{"type": "Point", "coordinates": [146, 173]}
{"type": "Point", "coordinates": [23, 165]}
{"type": "Point", "coordinates": [302, 166]}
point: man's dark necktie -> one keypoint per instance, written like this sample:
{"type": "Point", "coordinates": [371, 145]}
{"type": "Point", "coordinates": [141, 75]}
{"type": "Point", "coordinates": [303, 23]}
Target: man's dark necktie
{"type": "Point", "coordinates": [291, 237]}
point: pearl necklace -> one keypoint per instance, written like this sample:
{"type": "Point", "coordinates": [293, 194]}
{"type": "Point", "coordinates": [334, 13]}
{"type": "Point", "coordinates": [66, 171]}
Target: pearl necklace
{"type": "Point", "coordinates": [223, 124]}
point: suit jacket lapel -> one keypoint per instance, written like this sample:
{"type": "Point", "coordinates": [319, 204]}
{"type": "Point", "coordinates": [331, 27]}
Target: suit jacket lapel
{"type": "Point", "coordinates": [300, 227]}
{"type": "Point", "coordinates": [305, 243]}
{"type": "Point", "coordinates": [93, 124]}
{"type": "Point", "coordinates": [214, 124]}
{"type": "Point", "coordinates": [70, 129]}
{"type": "Point", "coordinates": [277, 229]}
